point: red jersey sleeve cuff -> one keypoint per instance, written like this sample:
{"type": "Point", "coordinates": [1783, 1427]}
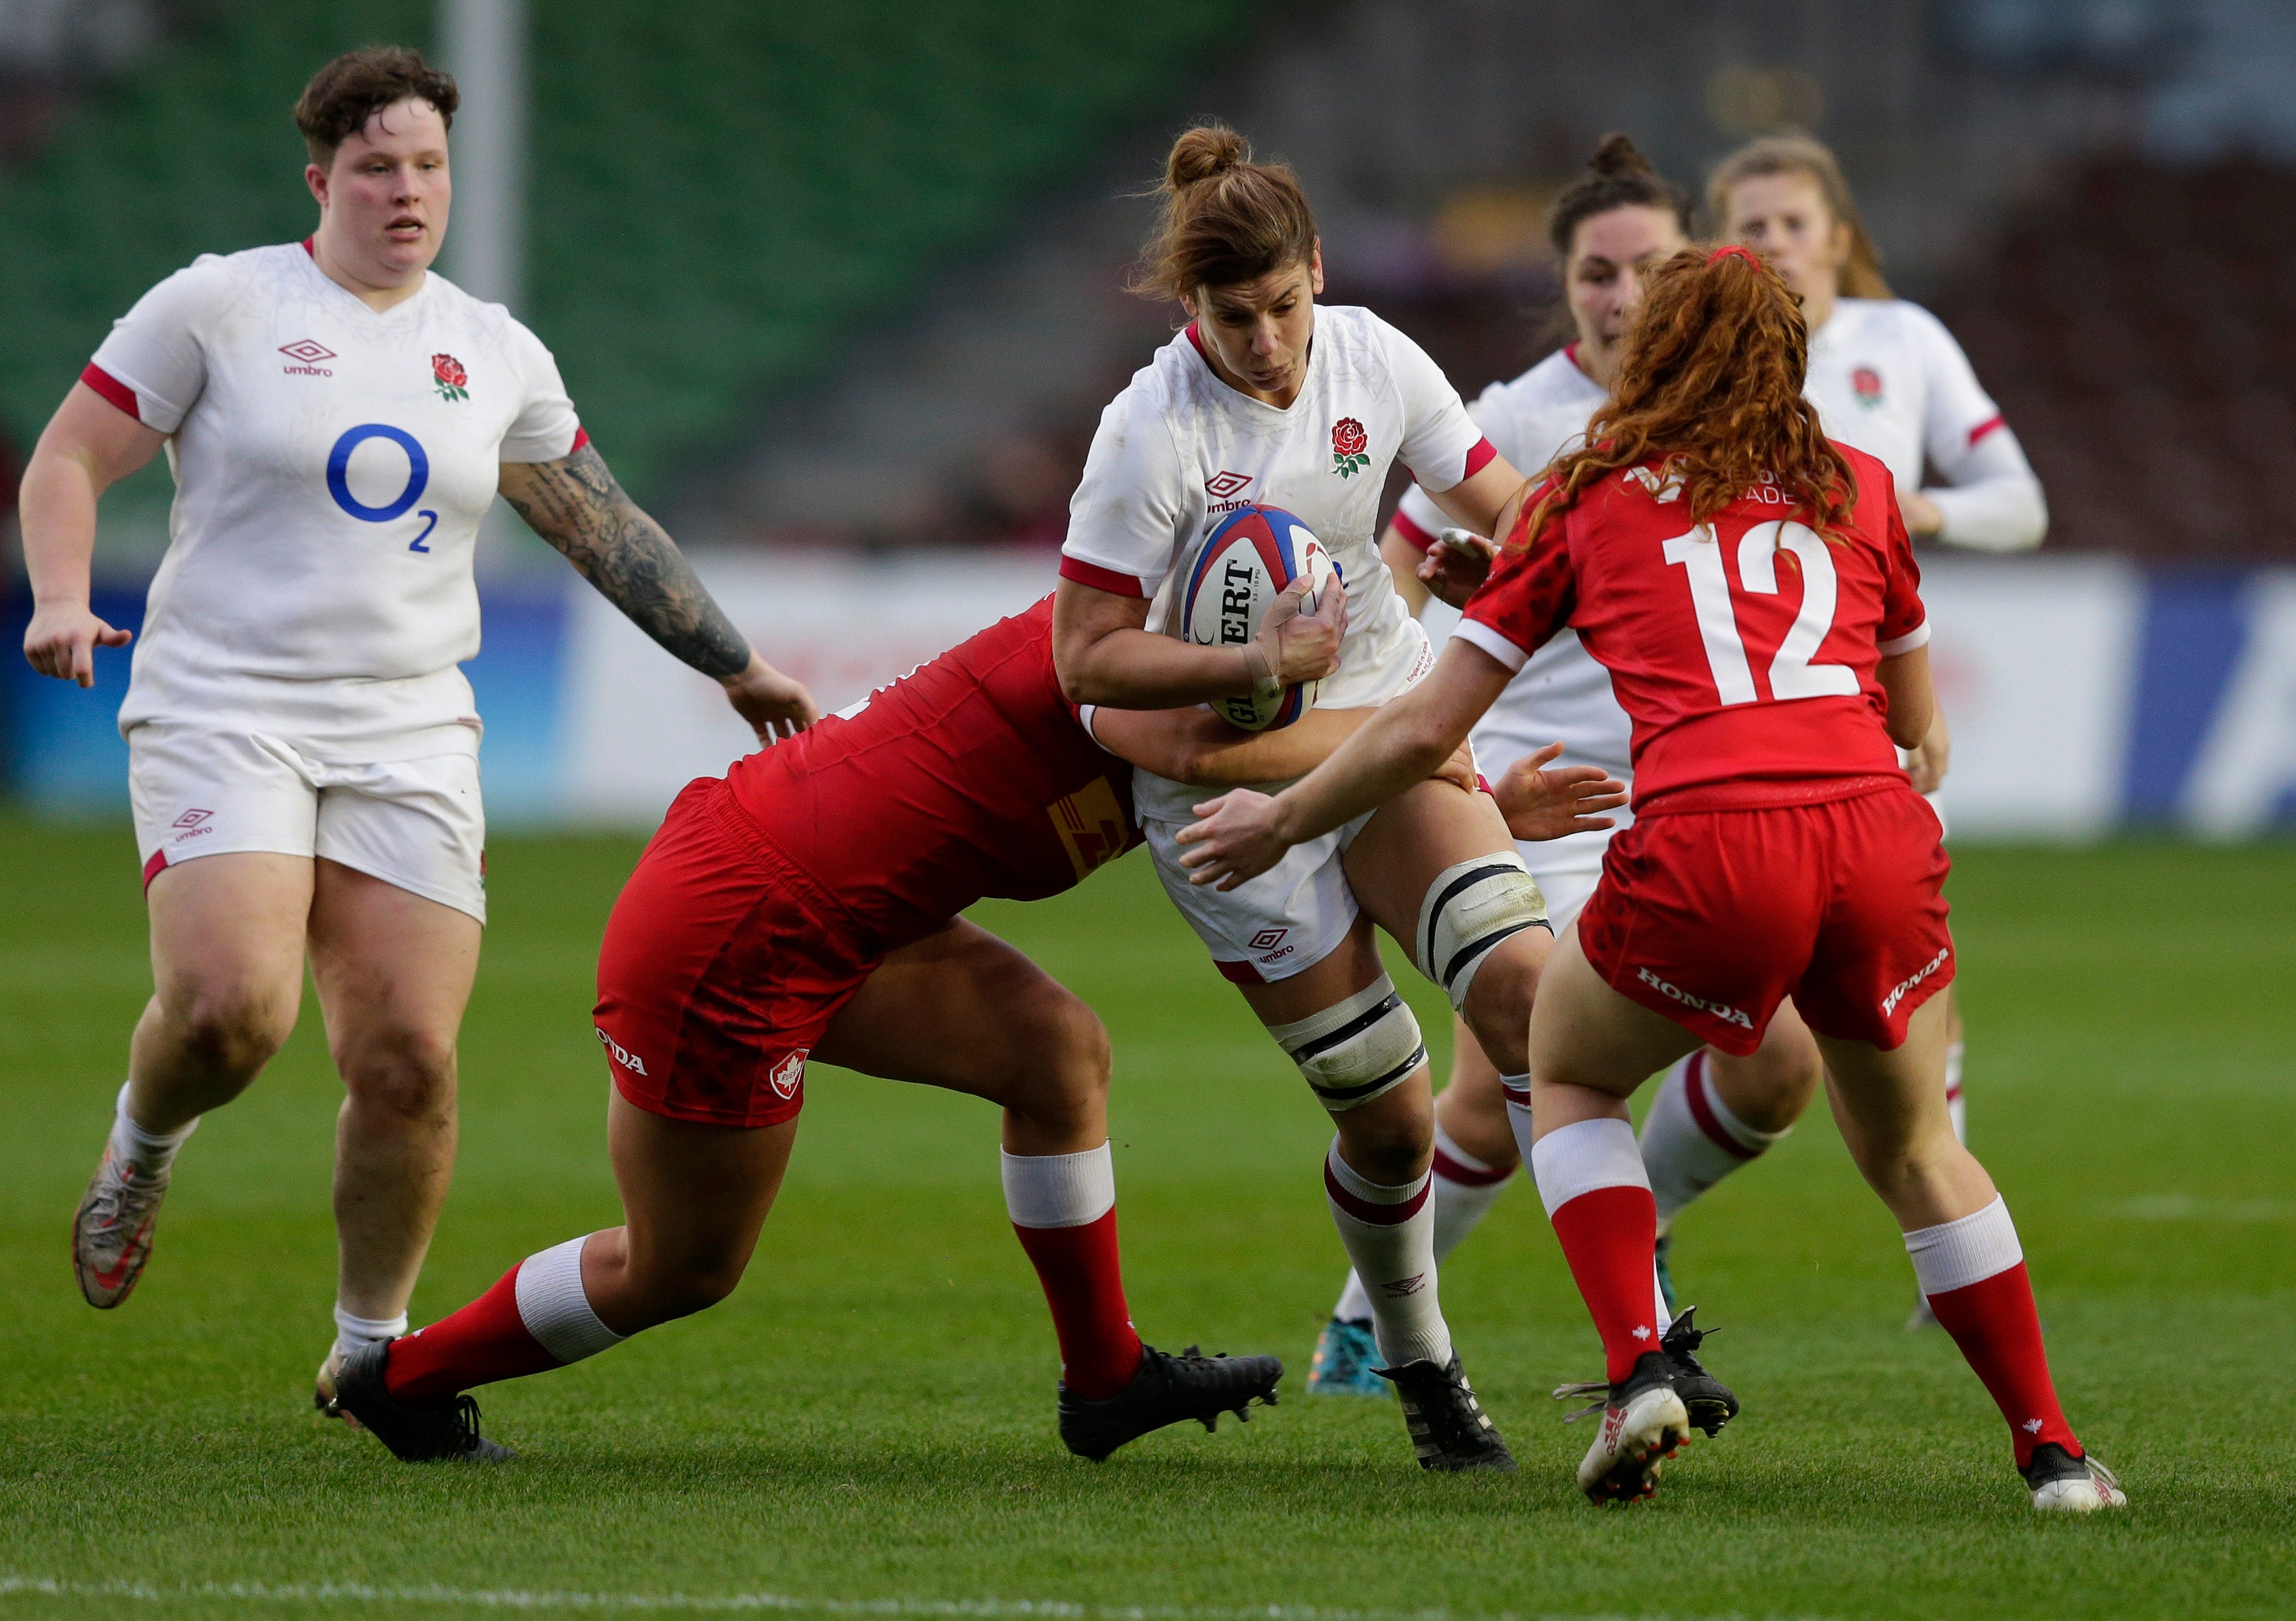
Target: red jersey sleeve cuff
{"type": "Point", "coordinates": [1996, 420]}
{"type": "Point", "coordinates": [581, 437]}
{"type": "Point", "coordinates": [1477, 633]}
{"type": "Point", "coordinates": [1420, 538]}
{"type": "Point", "coordinates": [1482, 456]}
{"type": "Point", "coordinates": [113, 390]}
{"type": "Point", "coordinates": [1919, 636]}
{"type": "Point", "coordinates": [1102, 579]}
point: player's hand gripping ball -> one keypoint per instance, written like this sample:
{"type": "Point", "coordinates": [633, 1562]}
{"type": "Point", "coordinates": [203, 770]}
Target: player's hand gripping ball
{"type": "Point", "coordinates": [1247, 565]}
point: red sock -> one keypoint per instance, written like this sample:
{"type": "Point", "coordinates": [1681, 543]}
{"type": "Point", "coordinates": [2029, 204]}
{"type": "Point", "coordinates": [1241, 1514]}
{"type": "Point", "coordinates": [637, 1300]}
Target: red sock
{"type": "Point", "coordinates": [1608, 1236]}
{"type": "Point", "coordinates": [487, 1340]}
{"type": "Point", "coordinates": [1083, 1284]}
{"type": "Point", "coordinates": [1998, 1330]}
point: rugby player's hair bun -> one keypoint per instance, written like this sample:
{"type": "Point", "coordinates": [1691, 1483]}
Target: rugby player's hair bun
{"type": "Point", "coordinates": [1203, 153]}
{"type": "Point", "coordinates": [1618, 155]}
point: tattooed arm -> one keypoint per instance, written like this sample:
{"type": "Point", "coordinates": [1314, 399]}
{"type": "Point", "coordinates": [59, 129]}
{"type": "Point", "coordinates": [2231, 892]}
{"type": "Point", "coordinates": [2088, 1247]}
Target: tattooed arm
{"type": "Point", "coordinates": [577, 506]}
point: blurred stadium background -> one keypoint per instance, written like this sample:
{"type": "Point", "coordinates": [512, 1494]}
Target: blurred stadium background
{"type": "Point", "coordinates": [838, 289]}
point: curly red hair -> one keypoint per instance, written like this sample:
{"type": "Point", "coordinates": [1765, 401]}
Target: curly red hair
{"type": "Point", "coordinates": [1709, 384]}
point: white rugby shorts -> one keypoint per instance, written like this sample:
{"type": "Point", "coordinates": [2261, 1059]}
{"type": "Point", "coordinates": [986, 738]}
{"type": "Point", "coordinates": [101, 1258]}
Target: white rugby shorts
{"type": "Point", "coordinates": [1287, 919]}
{"type": "Point", "coordinates": [417, 823]}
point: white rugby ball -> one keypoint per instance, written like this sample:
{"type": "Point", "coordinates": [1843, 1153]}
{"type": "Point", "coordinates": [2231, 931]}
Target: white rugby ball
{"type": "Point", "coordinates": [1245, 564]}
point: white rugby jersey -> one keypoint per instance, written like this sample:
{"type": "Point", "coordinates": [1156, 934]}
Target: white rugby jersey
{"type": "Point", "coordinates": [1561, 694]}
{"type": "Point", "coordinates": [1179, 449]}
{"type": "Point", "coordinates": [1887, 378]}
{"type": "Point", "coordinates": [332, 467]}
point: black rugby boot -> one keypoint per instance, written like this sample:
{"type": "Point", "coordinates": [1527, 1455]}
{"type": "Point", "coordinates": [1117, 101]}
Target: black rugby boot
{"type": "Point", "coordinates": [1449, 1429]}
{"type": "Point", "coordinates": [1165, 1390]}
{"type": "Point", "coordinates": [1706, 1398]}
{"type": "Point", "coordinates": [416, 1434]}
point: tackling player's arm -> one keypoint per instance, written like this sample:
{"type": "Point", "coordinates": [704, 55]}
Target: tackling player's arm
{"type": "Point", "coordinates": [1196, 745]}
{"type": "Point", "coordinates": [1484, 505]}
{"type": "Point", "coordinates": [578, 507]}
{"type": "Point", "coordinates": [88, 445]}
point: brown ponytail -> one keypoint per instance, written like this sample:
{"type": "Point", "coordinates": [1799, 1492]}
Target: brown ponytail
{"type": "Point", "coordinates": [1709, 384]}
{"type": "Point", "coordinates": [1226, 219]}
{"type": "Point", "coordinates": [1861, 277]}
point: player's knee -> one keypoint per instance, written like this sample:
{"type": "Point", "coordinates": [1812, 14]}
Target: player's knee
{"type": "Point", "coordinates": [1498, 1006]}
{"type": "Point", "coordinates": [1357, 1051]}
{"type": "Point", "coordinates": [227, 1027]}
{"type": "Point", "coordinates": [406, 1071]}
{"type": "Point", "coordinates": [1061, 1060]}
{"type": "Point", "coordinates": [1769, 1090]}
{"type": "Point", "coordinates": [1470, 910]}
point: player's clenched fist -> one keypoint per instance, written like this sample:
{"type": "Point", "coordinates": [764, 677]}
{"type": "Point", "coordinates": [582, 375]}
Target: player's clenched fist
{"type": "Point", "coordinates": [61, 642]}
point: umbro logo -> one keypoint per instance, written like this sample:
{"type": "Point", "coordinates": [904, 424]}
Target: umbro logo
{"type": "Point", "coordinates": [306, 354]}
{"type": "Point", "coordinates": [193, 818]}
{"type": "Point", "coordinates": [1219, 486]}
{"type": "Point", "coordinates": [1269, 940]}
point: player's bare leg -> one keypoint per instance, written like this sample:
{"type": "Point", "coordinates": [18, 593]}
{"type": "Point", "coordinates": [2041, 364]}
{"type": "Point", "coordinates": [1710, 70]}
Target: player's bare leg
{"type": "Point", "coordinates": [1891, 1109]}
{"type": "Point", "coordinates": [1358, 1045]}
{"type": "Point", "coordinates": [227, 975]}
{"type": "Point", "coordinates": [1590, 1049]}
{"type": "Point", "coordinates": [393, 971]}
{"type": "Point", "coordinates": [963, 1011]}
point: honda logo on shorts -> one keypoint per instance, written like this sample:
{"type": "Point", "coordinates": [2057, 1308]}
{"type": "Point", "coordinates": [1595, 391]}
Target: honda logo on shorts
{"type": "Point", "coordinates": [789, 1074]}
{"type": "Point", "coordinates": [623, 1056]}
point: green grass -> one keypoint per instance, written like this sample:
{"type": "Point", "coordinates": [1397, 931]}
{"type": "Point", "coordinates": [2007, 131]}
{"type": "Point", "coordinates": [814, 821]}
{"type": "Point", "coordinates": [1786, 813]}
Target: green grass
{"type": "Point", "coordinates": [869, 1419]}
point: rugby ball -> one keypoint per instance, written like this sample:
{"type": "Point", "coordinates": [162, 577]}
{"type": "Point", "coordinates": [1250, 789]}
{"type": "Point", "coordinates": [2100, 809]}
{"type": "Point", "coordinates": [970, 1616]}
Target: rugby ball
{"type": "Point", "coordinates": [1245, 564]}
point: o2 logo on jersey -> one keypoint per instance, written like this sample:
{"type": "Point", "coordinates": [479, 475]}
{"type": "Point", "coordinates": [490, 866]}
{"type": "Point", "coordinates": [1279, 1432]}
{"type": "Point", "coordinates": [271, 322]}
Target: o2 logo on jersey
{"type": "Point", "coordinates": [418, 479]}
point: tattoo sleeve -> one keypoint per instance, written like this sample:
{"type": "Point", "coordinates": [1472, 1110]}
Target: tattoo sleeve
{"type": "Point", "coordinates": [578, 507]}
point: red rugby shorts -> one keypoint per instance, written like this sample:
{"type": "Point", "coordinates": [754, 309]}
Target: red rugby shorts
{"type": "Point", "coordinates": [723, 963]}
{"type": "Point", "coordinates": [1712, 918]}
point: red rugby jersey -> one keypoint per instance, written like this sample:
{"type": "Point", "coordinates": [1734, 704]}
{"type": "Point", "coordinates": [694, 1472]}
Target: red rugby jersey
{"type": "Point", "coordinates": [969, 777]}
{"type": "Point", "coordinates": [1744, 654]}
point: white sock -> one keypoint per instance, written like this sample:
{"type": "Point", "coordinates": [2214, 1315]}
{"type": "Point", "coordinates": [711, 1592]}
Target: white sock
{"type": "Point", "coordinates": [1691, 1139]}
{"type": "Point", "coordinates": [1956, 1253]}
{"type": "Point", "coordinates": [1389, 1234]}
{"type": "Point", "coordinates": [1583, 1158]}
{"type": "Point", "coordinates": [352, 1332]}
{"type": "Point", "coordinates": [1462, 1192]}
{"type": "Point", "coordinates": [1954, 1104]}
{"type": "Point", "coordinates": [149, 1151]}
{"type": "Point", "coordinates": [556, 1311]}
{"type": "Point", "coordinates": [1059, 1190]}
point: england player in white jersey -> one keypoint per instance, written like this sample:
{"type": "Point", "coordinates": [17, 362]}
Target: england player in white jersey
{"type": "Point", "coordinates": [1268, 398]}
{"type": "Point", "coordinates": [303, 747]}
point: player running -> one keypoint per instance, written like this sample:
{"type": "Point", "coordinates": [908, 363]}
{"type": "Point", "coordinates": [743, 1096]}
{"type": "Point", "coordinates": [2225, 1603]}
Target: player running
{"type": "Point", "coordinates": [302, 747]}
{"type": "Point", "coordinates": [1268, 398]}
{"type": "Point", "coordinates": [1615, 221]}
{"type": "Point", "coordinates": [805, 907]}
{"type": "Point", "coordinates": [1886, 378]}
{"type": "Point", "coordinates": [1752, 591]}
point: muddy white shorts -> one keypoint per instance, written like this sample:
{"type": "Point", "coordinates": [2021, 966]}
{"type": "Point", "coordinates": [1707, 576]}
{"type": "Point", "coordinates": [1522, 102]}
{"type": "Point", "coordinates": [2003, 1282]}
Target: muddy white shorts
{"type": "Point", "coordinates": [1287, 919]}
{"type": "Point", "coordinates": [414, 823]}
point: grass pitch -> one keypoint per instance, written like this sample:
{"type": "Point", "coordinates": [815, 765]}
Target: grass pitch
{"type": "Point", "coordinates": [866, 1427]}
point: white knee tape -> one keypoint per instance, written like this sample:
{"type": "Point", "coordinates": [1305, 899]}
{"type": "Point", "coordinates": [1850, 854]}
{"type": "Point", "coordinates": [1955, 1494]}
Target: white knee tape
{"type": "Point", "coordinates": [1356, 1050]}
{"type": "Point", "coordinates": [1469, 909]}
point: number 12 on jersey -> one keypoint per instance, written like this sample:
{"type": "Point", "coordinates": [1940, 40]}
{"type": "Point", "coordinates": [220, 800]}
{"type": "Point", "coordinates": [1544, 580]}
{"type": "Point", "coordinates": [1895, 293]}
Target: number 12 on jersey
{"type": "Point", "coordinates": [1791, 674]}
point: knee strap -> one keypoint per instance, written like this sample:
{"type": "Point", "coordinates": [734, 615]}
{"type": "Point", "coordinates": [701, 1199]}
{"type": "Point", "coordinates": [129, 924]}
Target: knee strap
{"type": "Point", "coordinates": [1469, 909]}
{"type": "Point", "coordinates": [1356, 1050]}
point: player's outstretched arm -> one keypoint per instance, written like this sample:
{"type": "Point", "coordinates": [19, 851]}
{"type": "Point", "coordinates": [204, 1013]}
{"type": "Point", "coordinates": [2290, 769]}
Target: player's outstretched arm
{"type": "Point", "coordinates": [578, 507]}
{"type": "Point", "coordinates": [1243, 834]}
{"type": "Point", "coordinates": [88, 445]}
